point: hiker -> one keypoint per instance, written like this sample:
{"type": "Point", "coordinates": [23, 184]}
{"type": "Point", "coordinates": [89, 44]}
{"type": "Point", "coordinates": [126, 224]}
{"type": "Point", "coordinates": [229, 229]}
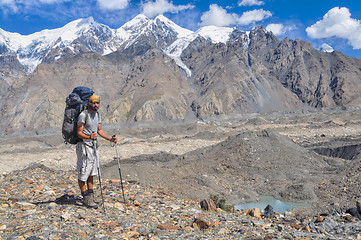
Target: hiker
{"type": "Point", "coordinates": [89, 124]}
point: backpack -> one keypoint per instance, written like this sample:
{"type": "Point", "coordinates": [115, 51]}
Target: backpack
{"type": "Point", "coordinates": [75, 104]}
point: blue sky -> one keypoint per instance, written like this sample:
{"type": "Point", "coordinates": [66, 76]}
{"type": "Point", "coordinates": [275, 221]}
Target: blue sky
{"type": "Point", "coordinates": [334, 22]}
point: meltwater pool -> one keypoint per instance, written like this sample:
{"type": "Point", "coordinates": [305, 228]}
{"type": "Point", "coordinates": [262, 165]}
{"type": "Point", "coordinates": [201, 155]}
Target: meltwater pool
{"type": "Point", "coordinates": [278, 206]}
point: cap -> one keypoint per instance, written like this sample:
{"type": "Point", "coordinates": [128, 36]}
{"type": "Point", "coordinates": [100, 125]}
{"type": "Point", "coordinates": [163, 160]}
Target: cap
{"type": "Point", "coordinates": [94, 98]}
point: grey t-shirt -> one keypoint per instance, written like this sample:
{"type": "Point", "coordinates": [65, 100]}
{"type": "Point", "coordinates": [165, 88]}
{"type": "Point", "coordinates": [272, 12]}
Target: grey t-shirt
{"type": "Point", "coordinates": [91, 121]}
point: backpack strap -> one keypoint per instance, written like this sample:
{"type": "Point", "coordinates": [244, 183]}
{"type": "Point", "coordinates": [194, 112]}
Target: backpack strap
{"type": "Point", "coordinates": [86, 113]}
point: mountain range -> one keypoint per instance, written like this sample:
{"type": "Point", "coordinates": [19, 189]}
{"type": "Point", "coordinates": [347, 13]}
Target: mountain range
{"type": "Point", "coordinates": [152, 70]}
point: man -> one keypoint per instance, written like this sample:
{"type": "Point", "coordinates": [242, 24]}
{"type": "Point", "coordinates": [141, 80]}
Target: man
{"type": "Point", "coordinates": [89, 123]}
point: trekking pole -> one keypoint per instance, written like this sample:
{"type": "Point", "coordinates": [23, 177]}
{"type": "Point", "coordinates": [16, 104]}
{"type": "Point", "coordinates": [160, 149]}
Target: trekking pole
{"type": "Point", "coordinates": [98, 166]}
{"type": "Point", "coordinates": [120, 173]}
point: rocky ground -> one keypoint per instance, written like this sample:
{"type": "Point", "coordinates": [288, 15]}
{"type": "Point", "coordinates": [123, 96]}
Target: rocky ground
{"type": "Point", "coordinates": [167, 170]}
{"type": "Point", "coordinates": [41, 203]}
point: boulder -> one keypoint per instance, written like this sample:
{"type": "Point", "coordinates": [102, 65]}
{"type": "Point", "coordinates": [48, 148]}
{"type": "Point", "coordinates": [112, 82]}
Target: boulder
{"type": "Point", "coordinates": [208, 205]}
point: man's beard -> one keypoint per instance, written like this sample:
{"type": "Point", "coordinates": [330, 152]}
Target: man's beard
{"type": "Point", "coordinates": [92, 108]}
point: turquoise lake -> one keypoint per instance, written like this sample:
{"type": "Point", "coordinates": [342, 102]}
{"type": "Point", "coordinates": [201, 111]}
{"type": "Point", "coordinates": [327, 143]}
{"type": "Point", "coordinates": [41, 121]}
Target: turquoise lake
{"type": "Point", "coordinates": [278, 206]}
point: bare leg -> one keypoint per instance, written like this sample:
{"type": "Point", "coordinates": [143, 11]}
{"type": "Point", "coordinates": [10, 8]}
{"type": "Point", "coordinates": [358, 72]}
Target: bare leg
{"type": "Point", "coordinates": [89, 182]}
{"type": "Point", "coordinates": [82, 186]}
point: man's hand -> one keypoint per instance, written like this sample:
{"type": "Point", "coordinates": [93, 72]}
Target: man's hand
{"type": "Point", "coordinates": [114, 139]}
{"type": "Point", "coordinates": [93, 136]}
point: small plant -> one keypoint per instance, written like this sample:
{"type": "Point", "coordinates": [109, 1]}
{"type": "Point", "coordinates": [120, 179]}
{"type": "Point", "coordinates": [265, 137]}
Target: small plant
{"type": "Point", "coordinates": [221, 203]}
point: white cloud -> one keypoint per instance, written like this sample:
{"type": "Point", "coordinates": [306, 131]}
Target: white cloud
{"type": "Point", "coordinates": [52, 11]}
{"type": "Point", "coordinates": [51, 1]}
{"type": "Point", "coordinates": [253, 16]}
{"type": "Point", "coordinates": [250, 3]}
{"type": "Point", "coordinates": [279, 29]}
{"type": "Point", "coordinates": [112, 4]}
{"type": "Point", "coordinates": [337, 22]}
{"type": "Point", "coordinates": [152, 9]}
{"type": "Point", "coordinates": [29, 2]}
{"type": "Point", "coordinates": [19, 5]}
{"type": "Point", "coordinates": [9, 4]}
{"type": "Point", "coordinates": [218, 16]}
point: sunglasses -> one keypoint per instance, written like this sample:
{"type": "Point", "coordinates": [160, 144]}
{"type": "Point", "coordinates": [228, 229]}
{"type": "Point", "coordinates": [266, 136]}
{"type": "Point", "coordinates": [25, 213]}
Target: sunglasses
{"type": "Point", "coordinates": [95, 102]}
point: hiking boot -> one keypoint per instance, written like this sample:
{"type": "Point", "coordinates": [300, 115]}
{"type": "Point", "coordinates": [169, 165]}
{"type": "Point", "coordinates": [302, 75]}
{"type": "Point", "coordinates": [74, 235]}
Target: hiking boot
{"type": "Point", "coordinates": [88, 200]}
{"type": "Point", "coordinates": [91, 196]}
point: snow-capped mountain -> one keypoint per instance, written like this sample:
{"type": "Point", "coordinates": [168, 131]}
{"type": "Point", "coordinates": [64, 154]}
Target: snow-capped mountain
{"type": "Point", "coordinates": [154, 70]}
{"type": "Point", "coordinates": [84, 35]}
{"type": "Point", "coordinates": [212, 33]}
{"type": "Point", "coordinates": [216, 34]}
{"type": "Point", "coordinates": [326, 48]}
{"type": "Point", "coordinates": [32, 49]}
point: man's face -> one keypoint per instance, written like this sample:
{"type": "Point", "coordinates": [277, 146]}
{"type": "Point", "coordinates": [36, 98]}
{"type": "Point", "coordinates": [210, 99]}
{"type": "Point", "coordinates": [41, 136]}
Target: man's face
{"type": "Point", "coordinates": [94, 106]}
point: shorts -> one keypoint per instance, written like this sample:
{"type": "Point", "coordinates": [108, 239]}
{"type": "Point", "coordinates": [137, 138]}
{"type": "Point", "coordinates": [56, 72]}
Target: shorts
{"type": "Point", "coordinates": [87, 163]}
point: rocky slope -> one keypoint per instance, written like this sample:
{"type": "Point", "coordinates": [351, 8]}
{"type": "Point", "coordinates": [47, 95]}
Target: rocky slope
{"type": "Point", "coordinates": [228, 80]}
{"type": "Point", "coordinates": [42, 203]}
{"type": "Point", "coordinates": [247, 165]}
{"type": "Point", "coordinates": [38, 208]}
{"type": "Point", "coordinates": [319, 79]}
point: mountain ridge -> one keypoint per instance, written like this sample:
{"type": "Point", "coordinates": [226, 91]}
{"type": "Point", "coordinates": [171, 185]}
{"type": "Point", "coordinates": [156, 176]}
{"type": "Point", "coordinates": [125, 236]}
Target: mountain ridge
{"type": "Point", "coordinates": [153, 71]}
{"type": "Point", "coordinates": [28, 48]}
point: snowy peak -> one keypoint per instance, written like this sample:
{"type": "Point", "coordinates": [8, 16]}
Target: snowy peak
{"type": "Point", "coordinates": [68, 33]}
{"type": "Point", "coordinates": [77, 28]}
{"type": "Point", "coordinates": [212, 33]}
{"type": "Point", "coordinates": [158, 33]}
{"type": "Point", "coordinates": [142, 24]}
{"type": "Point", "coordinates": [326, 48]}
{"type": "Point", "coordinates": [48, 44]}
{"type": "Point", "coordinates": [87, 22]}
{"type": "Point", "coordinates": [181, 32]}
{"type": "Point", "coordinates": [216, 34]}
{"type": "Point", "coordinates": [136, 24]}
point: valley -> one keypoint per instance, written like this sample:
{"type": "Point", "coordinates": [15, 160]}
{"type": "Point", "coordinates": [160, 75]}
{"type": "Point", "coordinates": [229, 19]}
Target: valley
{"type": "Point", "coordinates": [238, 159]}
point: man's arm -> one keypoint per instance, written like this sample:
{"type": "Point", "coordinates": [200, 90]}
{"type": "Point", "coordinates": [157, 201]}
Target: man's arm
{"type": "Point", "coordinates": [83, 135]}
{"type": "Point", "coordinates": [104, 135]}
